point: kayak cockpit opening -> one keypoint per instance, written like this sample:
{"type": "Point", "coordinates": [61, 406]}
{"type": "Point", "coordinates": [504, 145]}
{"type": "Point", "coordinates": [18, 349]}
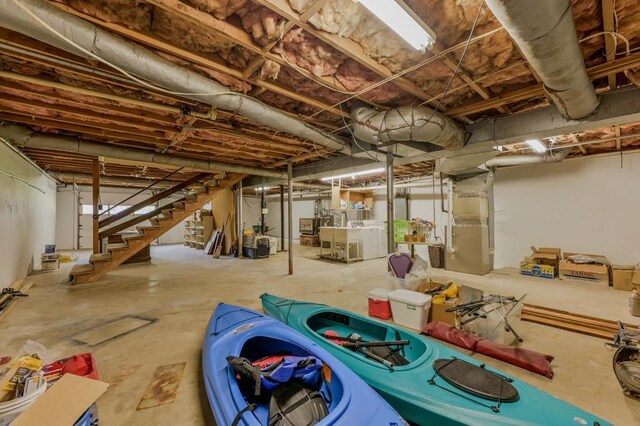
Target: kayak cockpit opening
{"type": "Point", "coordinates": [272, 373]}
{"type": "Point", "coordinates": [377, 342]}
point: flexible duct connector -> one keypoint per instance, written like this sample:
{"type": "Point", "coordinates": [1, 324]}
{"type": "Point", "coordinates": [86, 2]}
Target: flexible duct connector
{"type": "Point", "coordinates": [25, 137]}
{"type": "Point", "coordinates": [545, 32]}
{"type": "Point", "coordinates": [407, 123]}
{"type": "Point", "coordinates": [144, 63]}
{"type": "Point", "coordinates": [523, 160]}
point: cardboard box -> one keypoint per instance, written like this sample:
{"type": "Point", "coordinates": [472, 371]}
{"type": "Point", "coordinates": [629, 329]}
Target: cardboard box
{"type": "Point", "coordinates": [546, 256]}
{"type": "Point", "coordinates": [591, 273]}
{"type": "Point", "coordinates": [542, 262]}
{"type": "Point", "coordinates": [536, 270]}
{"type": "Point", "coordinates": [622, 277]}
{"type": "Point", "coordinates": [438, 312]}
{"type": "Point", "coordinates": [64, 403]}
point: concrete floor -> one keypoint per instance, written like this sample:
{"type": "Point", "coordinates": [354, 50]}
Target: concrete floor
{"type": "Point", "coordinates": [180, 288]}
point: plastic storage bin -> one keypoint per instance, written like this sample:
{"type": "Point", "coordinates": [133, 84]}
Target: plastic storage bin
{"type": "Point", "coordinates": [379, 305]}
{"type": "Point", "coordinates": [410, 308]}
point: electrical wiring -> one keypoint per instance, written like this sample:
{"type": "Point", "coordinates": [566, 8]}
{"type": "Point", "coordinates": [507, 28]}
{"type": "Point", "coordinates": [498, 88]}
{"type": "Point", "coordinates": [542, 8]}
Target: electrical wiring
{"type": "Point", "coordinates": [615, 36]}
{"type": "Point", "coordinates": [353, 137]}
{"type": "Point", "coordinates": [455, 73]}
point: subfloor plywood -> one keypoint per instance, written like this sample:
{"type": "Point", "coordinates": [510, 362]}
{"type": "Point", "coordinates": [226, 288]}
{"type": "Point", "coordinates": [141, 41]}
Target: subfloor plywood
{"type": "Point", "coordinates": [163, 387]}
{"type": "Point", "coordinates": [108, 331]}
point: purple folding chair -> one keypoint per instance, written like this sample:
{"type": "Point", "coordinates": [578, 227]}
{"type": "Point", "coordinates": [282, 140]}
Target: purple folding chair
{"type": "Point", "coordinates": [401, 264]}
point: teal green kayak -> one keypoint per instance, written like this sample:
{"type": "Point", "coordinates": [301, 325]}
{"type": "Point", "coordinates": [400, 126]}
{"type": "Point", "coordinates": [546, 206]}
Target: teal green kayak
{"type": "Point", "coordinates": [425, 381]}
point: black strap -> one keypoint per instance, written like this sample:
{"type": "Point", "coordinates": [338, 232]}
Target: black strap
{"type": "Point", "coordinates": [249, 408]}
{"type": "Point", "coordinates": [308, 396]}
{"type": "Point", "coordinates": [243, 367]}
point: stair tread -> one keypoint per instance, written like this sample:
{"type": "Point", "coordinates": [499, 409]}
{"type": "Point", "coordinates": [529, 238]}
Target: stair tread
{"type": "Point", "coordinates": [133, 237]}
{"type": "Point", "coordinates": [149, 228]}
{"type": "Point", "coordinates": [85, 268]}
{"type": "Point", "coordinates": [117, 246]}
{"type": "Point", "coordinates": [101, 257]}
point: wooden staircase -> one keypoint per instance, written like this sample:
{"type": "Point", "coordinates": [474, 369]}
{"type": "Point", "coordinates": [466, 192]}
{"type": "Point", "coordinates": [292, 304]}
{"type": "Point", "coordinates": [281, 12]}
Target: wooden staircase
{"type": "Point", "coordinates": [162, 220]}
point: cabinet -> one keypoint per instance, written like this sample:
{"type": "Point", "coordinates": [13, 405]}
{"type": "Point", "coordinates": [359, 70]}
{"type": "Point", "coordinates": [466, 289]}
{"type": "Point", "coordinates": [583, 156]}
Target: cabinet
{"type": "Point", "coordinates": [197, 233]}
{"type": "Point", "coordinates": [346, 199]}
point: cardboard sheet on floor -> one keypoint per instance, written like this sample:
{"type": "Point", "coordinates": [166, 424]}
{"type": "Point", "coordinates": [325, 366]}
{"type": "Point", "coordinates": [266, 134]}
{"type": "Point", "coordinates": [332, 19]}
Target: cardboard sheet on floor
{"type": "Point", "coordinates": [112, 329]}
{"type": "Point", "coordinates": [163, 387]}
{"type": "Point", "coordinates": [64, 403]}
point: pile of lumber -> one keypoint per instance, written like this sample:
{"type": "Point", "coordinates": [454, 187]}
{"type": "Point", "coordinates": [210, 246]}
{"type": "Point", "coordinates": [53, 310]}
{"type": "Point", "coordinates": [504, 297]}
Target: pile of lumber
{"type": "Point", "coordinates": [577, 323]}
{"type": "Point", "coordinates": [7, 302]}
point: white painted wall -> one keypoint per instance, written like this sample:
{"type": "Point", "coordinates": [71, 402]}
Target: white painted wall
{"type": "Point", "coordinates": [67, 218]}
{"type": "Point", "coordinates": [27, 215]}
{"type": "Point", "coordinates": [587, 205]}
{"type": "Point", "coordinates": [301, 208]}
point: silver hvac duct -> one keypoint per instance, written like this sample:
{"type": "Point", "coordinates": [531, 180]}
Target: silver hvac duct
{"type": "Point", "coordinates": [407, 123]}
{"type": "Point", "coordinates": [25, 137]}
{"type": "Point", "coordinates": [545, 32]}
{"type": "Point", "coordinates": [522, 160]}
{"type": "Point", "coordinates": [145, 64]}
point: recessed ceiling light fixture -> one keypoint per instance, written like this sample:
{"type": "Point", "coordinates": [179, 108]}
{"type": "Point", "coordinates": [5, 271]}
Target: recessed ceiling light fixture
{"type": "Point", "coordinates": [536, 145]}
{"type": "Point", "coordinates": [401, 22]}
{"type": "Point", "coordinates": [353, 175]}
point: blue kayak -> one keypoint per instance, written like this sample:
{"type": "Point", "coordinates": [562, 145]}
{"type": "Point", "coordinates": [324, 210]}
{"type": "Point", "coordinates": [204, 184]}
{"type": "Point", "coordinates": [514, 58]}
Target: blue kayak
{"type": "Point", "coordinates": [235, 331]}
{"type": "Point", "coordinates": [425, 381]}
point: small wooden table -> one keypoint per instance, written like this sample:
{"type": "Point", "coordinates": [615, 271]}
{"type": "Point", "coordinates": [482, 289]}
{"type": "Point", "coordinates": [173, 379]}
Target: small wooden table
{"type": "Point", "coordinates": [412, 245]}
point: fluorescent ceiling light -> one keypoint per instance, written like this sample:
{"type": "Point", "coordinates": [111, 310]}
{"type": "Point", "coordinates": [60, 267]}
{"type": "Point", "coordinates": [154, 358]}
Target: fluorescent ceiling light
{"type": "Point", "coordinates": [536, 145]}
{"type": "Point", "coordinates": [392, 14]}
{"type": "Point", "coordinates": [354, 174]}
{"type": "Point", "coordinates": [263, 188]}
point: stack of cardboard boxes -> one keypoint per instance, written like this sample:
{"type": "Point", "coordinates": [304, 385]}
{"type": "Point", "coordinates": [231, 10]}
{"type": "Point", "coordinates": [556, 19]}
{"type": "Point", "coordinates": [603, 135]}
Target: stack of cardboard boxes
{"type": "Point", "coordinates": [551, 263]}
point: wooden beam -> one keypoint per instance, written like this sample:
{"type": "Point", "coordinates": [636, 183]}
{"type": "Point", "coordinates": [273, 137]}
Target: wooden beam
{"type": "Point", "coordinates": [595, 72]}
{"type": "Point", "coordinates": [618, 141]}
{"type": "Point", "coordinates": [575, 140]}
{"type": "Point", "coordinates": [138, 126]}
{"type": "Point", "coordinates": [96, 201]}
{"type": "Point", "coordinates": [311, 10]}
{"type": "Point", "coordinates": [345, 45]}
{"type": "Point", "coordinates": [609, 43]}
{"type": "Point", "coordinates": [228, 31]}
{"type": "Point", "coordinates": [452, 64]}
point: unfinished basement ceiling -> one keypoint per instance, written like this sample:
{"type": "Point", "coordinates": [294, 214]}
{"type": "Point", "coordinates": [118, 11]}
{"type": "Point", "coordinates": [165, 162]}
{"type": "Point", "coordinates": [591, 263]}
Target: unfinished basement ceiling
{"type": "Point", "coordinates": [313, 59]}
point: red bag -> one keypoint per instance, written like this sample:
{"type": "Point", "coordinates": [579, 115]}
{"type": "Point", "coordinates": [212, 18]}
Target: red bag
{"type": "Point", "coordinates": [524, 358]}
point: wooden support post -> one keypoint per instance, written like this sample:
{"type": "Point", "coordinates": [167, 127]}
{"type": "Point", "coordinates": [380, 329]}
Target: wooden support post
{"type": "Point", "coordinates": [391, 247]}
{"type": "Point", "coordinates": [290, 218]}
{"type": "Point", "coordinates": [96, 201]}
{"type": "Point", "coordinates": [281, 217]}
{"type": "Point", "coordinates": [240, 225]}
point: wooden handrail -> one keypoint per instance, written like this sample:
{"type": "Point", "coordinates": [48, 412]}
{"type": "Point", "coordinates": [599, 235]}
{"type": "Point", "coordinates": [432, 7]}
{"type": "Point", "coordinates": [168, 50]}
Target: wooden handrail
{"type": "Point", "coordinates": [116, 217]}
{"type": "Point", "coordinates": [134, 221]}
{"type": "Point", "coordinates": [151, 185]}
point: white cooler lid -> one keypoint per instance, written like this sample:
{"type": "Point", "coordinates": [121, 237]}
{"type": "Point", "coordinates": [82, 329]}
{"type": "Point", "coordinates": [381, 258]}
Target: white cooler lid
{"type": "Point", "coordinates": [379, 294]}
{"type": "Point", "coordinates": [410, 297]}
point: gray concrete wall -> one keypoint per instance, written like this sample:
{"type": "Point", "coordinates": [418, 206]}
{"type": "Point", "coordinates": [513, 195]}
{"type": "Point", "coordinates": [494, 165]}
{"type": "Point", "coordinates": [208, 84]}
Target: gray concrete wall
{"type": "Point", "coordinates": [27, 215]}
